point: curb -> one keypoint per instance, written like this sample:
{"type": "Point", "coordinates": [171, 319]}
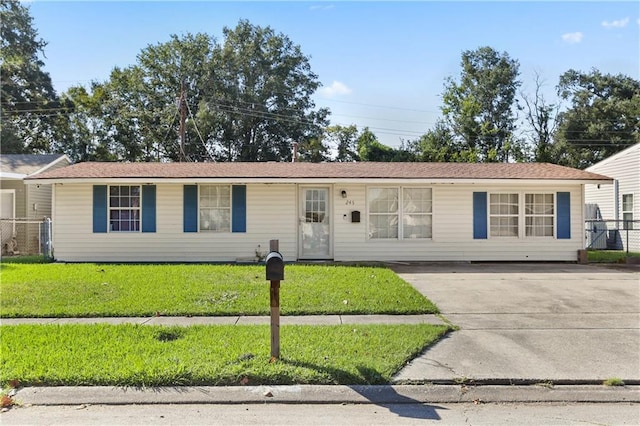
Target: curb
{"type": "Point", "coordinates": [324, 394]}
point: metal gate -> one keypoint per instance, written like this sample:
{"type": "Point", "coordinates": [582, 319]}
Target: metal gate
{"type": "Point", "coordinates": [601, 234]}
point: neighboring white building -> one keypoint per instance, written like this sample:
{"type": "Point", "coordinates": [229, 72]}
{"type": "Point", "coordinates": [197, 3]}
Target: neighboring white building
{"type": "Point", "coordinates": [224, 212]}
{"type": "Point", "coordinates": [21, 206]}
{"type": "Point", "coordinates": [618, 202]}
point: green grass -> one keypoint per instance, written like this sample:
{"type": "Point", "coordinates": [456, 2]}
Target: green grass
{"type": "Point", "coordinates": [613, 381]}
{"type": "Point", "coordinates": [102, 290]}
{"type": "Point", "coordinates": [137, 355]}
{"type": "Point", "coordinates": [24, 259]}
{"type": "Point", "coordinates": [609, 256]}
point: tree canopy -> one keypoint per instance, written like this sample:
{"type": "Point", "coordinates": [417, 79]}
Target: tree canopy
{"type": "Point", "coordinates": [479, 107]}
{"type": "Point", "coordinates": [602, 119]}
{"type": "Point", "coordinates": [28, 102]}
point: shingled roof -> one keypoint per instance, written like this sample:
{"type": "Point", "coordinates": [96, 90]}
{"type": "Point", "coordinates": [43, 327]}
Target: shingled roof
{"type": "Point", "coordinates": [26, 164]}
{"type": "Point", "coordinates": [299, 171]}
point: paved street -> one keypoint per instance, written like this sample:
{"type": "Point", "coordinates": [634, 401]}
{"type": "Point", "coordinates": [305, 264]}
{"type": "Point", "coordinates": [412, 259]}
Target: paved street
{"type": "Point", "coordinates": [334, 414]}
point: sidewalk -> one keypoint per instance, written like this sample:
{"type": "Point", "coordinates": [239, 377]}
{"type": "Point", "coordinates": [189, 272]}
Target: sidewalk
{"type": "Point", "coordinates": [238, 320]}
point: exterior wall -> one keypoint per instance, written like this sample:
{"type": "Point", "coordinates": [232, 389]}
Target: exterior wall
{"type": "Point", "coordinates": [453, 232]}
{"type": "Point", "coordinates": [624, 167]}
{"type": "Point", "coordinates": [21, 230]}
{"type": "Point", "coordinates": [21, 195]}
{"type": "Point", "coordinates": [273, 213]}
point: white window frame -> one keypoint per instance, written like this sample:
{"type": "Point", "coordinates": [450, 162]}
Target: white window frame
{"type": "Point", "coordinates": [229, 209]}
{"type": "Point", "coordinates": [124, 208]}
{"type": "Point", "coordinates": [533, 215]}
{"type": "Point", "coordinates": [504, 215]}
{"type": "Point", "coordinates": [399, 213]}
{"type": "Point", "coordinates": [523, 215]}
{"type": "Point", "coordinates": [627, 223]}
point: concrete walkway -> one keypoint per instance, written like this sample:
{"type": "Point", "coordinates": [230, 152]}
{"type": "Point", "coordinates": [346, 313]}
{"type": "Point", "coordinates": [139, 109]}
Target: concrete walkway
{"type": "Point", "coordinates": [238, 320]}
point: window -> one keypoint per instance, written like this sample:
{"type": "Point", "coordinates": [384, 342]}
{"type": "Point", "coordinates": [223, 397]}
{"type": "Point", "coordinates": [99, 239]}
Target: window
{"type": "Point", "coordinates": [627, 211]}
{"type": "Point", "coordinates": [506, 217]}
{"type": "Point", "coordinates": [124, 208]}
{"type": "Point", "coordinates": [416, 213]}
{"type": "Point", "coordinates": [538, 215]}
{"type": "Point", "coordinates": [411, 219]}
{"type": "Point", "coordinates": [503, 215]}
{"type": "Point", "coordinates": [215, 208]}
{"type": "Point", "coordinates": [383, 213]}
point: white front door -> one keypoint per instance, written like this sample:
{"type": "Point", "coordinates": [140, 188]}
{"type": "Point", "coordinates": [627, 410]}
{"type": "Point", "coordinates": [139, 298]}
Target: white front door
{"type": "Point", "coordinates": [315, 226]}
{"type": "Point", "coordinates": [7, 204]}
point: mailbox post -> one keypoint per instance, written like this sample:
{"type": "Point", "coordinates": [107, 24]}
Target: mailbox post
{"type": "Point", "coordinates": [275, 273]}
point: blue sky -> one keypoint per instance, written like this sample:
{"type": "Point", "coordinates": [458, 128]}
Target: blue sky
{"type": "Point", "coordinates": [382, 64]}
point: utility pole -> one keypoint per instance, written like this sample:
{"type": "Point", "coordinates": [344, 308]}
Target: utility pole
{"type": "Point", "coordinates": [183, 119]}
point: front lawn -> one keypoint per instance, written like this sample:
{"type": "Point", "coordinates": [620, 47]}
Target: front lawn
{"type": "Point", "coordinates": [609, 256]}
{"type": "Point", "coordinates": [137, 355]}
{"type": "Point", "coordinates": [101, 290]}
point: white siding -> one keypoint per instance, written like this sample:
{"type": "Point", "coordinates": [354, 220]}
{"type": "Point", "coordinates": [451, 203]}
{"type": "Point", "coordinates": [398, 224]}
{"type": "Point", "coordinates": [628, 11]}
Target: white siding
{"type": "Point", "coordinates": [453, 232]}
{"type": "Point", "coordinates": [272, 213]}
{"type": "Point", "coordinates": [624, 167]}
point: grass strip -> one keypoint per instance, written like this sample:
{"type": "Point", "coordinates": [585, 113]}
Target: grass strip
{"type": "Point", "coordinates": [144, 356]}
{"type": "Point", "coordinates": [609, 256]}
{"type": "Point", "coordinates": [99, 290]}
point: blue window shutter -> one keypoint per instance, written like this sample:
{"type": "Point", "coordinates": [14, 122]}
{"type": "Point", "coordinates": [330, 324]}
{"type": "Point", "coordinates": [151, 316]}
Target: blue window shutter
{"type": "Point", "coordinates": [190, 208]}
{"type": "Point", "coordinates": [239, 208]}
{"type": "Point", "coordinates": [99, 208]}
{"type": "Point", "coordinates": [148, 208]}
{"type": "Point", "coordinates": [564, 215]}
{"type": "Point", "coordinates": [479, 215]}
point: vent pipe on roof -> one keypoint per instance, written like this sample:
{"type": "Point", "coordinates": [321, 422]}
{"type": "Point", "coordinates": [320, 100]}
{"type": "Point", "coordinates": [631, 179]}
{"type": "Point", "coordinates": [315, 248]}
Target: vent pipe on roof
{"type": "Point", "coordinates": [294, 158]}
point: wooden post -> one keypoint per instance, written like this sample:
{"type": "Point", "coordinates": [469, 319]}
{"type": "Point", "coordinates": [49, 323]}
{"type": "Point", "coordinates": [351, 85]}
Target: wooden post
{"type": "Point", "coordinates": [275, 310]}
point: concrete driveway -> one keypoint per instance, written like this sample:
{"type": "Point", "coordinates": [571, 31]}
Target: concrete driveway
{"type": "Point", "coordinates": [533, 322]}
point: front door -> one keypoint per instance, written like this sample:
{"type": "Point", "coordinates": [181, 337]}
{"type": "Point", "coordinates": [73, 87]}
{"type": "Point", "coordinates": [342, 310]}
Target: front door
{"type": "Point", "coordinates": [315, 226]}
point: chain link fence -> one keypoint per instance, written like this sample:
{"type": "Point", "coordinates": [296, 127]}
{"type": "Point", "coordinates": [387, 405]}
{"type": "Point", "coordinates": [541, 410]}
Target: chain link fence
{"type": "Point", "coordinates": [623, 235]}
{"type": "Point", "coordinates": [26, 237]}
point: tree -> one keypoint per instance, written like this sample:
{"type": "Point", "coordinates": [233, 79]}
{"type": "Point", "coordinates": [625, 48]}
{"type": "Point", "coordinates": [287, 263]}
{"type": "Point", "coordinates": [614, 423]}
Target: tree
{"type": "Point", "coordinates": [604, 116]}
{"type": "Point", "coordinates": [28, 101]}
{"type": "Point", "coordinates": [313, 151]}
{"type": "Point", "coordinates": [439, 145]}
{"type": "Point", "coordinates": [262, 96]}
{"type": "Point", "coordinates": [344, 140]}
{"type": "Point", "coordinates": [370, 149]}
{"type": "Point", "coordinates": [81, 132]}
{"type": "Point", "coordinates": [479, 108]}
{"type": "Point", "coordinates": [141, 104]}
{"type": "Point", "coordinates": [542, 117]}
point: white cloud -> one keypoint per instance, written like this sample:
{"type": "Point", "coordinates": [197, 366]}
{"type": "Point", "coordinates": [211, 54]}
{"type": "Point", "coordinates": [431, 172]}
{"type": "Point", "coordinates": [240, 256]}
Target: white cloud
{"type": "Point", "coordinates": [322, 7]}
{"type": "Point", "coordinates": [620, 23]}
{"type": "Point", "coordinates": [336, 89]}
{"type": "Point", "coordinates": [572, 38]}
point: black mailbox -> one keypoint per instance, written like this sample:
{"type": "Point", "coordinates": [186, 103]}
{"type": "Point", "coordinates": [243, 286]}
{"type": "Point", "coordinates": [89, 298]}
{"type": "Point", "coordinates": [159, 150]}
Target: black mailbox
{"type": "Point", "coordinates": [355, 216]}
{"type": "Point", "coordinates": [275, 266]}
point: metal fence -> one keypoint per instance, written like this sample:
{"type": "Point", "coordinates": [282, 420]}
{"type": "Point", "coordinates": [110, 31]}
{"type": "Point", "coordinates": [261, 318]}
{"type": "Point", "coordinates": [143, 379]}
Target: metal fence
{"type": "Point", "coordinates": [601, 234]}
{"type": "Point", "coordinates": [26, 237]}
